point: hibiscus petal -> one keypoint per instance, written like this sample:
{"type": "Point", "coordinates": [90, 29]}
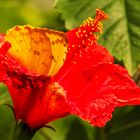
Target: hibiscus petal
{"type": "Point", "coordinates": [94, 91]}
{"type": "Point", "coordinates": [94, 85]}
{"type": "Point", "coordinates": [35, 101]}
{"type": "Point", "coordinates": [95, 54]}
{"type": "Point", "coordinates": [48, 107]}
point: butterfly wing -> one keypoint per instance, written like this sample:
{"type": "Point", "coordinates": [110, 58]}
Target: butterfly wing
{"type": "Point", "coordinates": [58, 53]}
{"type": "Point", "coordinates": [40, 50]}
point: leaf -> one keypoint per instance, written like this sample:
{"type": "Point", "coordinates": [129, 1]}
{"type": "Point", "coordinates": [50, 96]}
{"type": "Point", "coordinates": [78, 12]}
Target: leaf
{"type": "Point", "coordinates": [70, 127]}
{"type": "Point", "coordinates": [4, 96]}
{"type": "Point", "coordinates": [122, 31]}
{"type": "Point", "coordinates": [35, 13]}
{"type": "Point", "coordinates": [8, 20]}
{"type": "Point", "coordinates": [61, 126]}
{"type": "Point", "coordinates": [21, 131]}
{"type": "Point", "coordinates": [6, 121]}
{"type": "Point", "coordinates": [79, 129]}
{"type": "Point", "coordinates": [136, 76]}
{"type": "Point", "coordinates": [126, 125]}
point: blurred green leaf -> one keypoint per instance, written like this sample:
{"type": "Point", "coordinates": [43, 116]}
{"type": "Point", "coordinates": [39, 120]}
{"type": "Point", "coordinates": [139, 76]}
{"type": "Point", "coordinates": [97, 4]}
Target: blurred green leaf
{"type": "Point", "coordinates": [6, 113]}
{"type": "Point", "coordinates": [9, 14]}
{"type": "Point", "coordinates": [35, 13]}
{"type": "Point", "coordinates": [61, 126]}
{"type": "Point", "coordinates": [79, 132]}
{"type": "Point", "coordinates": [4, 95]}
{"type": "Point", "coordinates": [6, 121]}
{"type": "Point", "coordinates": [122, 30]}
{"type": "Point", "coordinates": [136, 76]}
{"type": "Point", "coordinates": [70, 127]}
{"type": "Point", "coordinates": [126, 125]}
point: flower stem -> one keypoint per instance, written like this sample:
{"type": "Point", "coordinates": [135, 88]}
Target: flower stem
{"type": "Point", "coordinates": [20, 131]}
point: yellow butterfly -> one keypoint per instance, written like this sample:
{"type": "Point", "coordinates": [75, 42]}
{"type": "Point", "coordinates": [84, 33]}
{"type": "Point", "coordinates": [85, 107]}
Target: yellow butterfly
{"type": "Point", "coordinates": [40, 50]}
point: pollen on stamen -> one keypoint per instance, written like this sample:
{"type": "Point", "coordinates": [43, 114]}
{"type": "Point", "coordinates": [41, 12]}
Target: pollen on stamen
{"type": "Point", "coordinates": [90, 25]}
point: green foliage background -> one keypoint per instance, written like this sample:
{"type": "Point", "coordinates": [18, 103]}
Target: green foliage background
{"type": "Point", "coordinates": [121, 36]}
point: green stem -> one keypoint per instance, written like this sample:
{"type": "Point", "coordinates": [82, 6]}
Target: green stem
{"type": "Point", "coordinates": [20, 131]}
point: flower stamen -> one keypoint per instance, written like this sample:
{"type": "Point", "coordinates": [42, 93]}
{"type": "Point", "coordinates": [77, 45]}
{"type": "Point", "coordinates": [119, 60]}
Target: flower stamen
{"type": "Point", "coordinates": [90, 26]}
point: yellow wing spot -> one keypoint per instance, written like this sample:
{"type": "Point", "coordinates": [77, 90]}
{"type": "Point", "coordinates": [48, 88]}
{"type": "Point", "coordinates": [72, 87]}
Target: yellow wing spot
{"type": "Point", "coordinates": [33, 48]}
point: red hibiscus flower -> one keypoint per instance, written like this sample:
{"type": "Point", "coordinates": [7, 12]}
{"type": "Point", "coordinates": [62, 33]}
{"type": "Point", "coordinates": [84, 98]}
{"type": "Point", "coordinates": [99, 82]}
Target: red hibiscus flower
{"type": "Point", "coordinates": [49, 78]}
